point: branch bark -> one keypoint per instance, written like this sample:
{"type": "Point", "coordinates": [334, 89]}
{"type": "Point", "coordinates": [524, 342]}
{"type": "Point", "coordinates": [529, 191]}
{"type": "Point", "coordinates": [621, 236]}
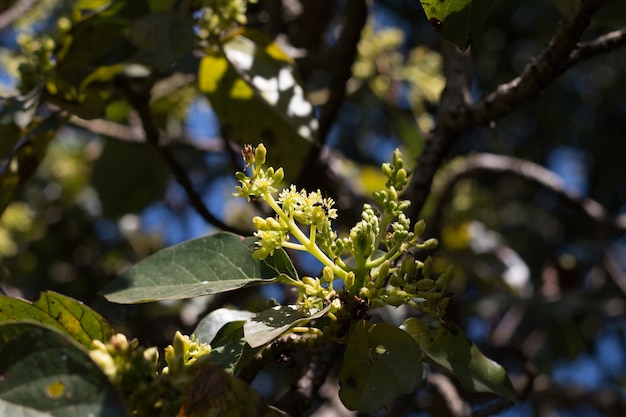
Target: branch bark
{"type": "Point", "coordinates": [457, 116]}
{"type": "Point", "coordinates": [140, 101]}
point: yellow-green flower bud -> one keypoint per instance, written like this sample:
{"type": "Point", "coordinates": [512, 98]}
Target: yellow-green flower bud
{"type": "Point", "coordinates": [430, 244]}
{"type": "Point", "coordinates": [258, 222]}
{"type": "Point", "coordinates": [259, 154]}
{"type": "Point", "coordinates": [401, 176]}
{"type": "Point", "coordinates": [396, 281]}
{"type": "Point", "coordinates": [428, 264]}
{"type": "Point", "coordinates": [350, 278]}
{"type": "Point", "coordinates": [272, 223]}
{"type": "Point", "coordinates": [387, 169]}
{"type": "Point", "coordinates": [425, 284]}
{"type": "Point", "coordinates": [419, 227]}
{"type": "Point", "coordinates": [328, 274]}
{"type": "Point", "coordinates": [279, 175]}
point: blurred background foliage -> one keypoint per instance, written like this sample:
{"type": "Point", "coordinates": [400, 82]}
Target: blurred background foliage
{"type": "Point", "coordinates": [539, 286]}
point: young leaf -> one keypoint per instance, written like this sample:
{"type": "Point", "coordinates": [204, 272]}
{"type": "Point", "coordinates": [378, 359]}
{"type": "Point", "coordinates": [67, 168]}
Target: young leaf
{"type": "Point", "coordinates": [380, 362]}
{"type": "Point", "coordinates": [251, 75]}
{"type": "Point", "coordinates": [44, 373]}
{"type": "Point", "coordinates": [449, 347]}
{"type": "Point", "coordinates": [210, 325]}
{"type": "Point", "coordinates": [61, 312]}
{"type": "Point", "coordinates": [208, 265]}
{"type": "Point", "coordinates": [270, 324]}
{"type": "Point", "coordinates": [457, 21]}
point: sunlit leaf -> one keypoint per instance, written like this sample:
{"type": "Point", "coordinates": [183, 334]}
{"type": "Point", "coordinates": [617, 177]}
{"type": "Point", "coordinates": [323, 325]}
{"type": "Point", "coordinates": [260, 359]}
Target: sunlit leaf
{"type": "Point", "coordinates": [229, 348]}
{"type": "Point", "coordinates": [128, 177]}
{"type": "Point", "coordinates": [63, 313]}
{"type": "Point", "coordinates": [268, 325]}
{"type": "Point", "coordinates": [208, 265]}
{"type": "Point", "coordinates": [449, 347]}
{"type": "Point", "coordinates": [252, 76]}
{"type": "Point", "coordinates": [457, 21]}
{"type": "Point", "coordinates": [44, 373]}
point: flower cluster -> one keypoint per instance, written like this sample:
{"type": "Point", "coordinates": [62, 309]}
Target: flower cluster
{"type": "Point", "coordinates": [373, 261]}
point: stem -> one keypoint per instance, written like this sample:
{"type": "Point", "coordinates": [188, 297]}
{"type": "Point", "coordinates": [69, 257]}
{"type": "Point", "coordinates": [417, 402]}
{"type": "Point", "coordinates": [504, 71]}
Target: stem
{"type": "Point", "coordinates": [308, 244]}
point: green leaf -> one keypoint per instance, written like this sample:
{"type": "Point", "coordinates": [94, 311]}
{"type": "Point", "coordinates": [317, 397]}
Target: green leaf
{"type": "Point", "coordinates": [22, 152]}
{"type": "Point", "coordinates": [60, 312]}
{"type": "Point", "coordinates": [162, 37]}
{"type": "Point", "coordinates": [269, 325]}
{"type": "Point", "coordinates": [128, 177]}
{"type": "Point", "coordinates": [457, 21]}
{"type": "Point", "coordinates": [229, 348]}
{"type": "Point", "coordinates": [208, 265]}
{"type": "Point", "coordinates": [380, 363]}
{"type": "Point", "coordinates": [252, 76]}
{"type": "Point", "coordinates": [44, 373]}
{"type": "Point", "coordinates": [449, 347]}
{"type": "Point", "coordinates": [217, 393]}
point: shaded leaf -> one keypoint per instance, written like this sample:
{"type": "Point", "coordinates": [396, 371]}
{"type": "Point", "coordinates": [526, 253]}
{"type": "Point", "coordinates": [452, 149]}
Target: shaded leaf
{"type": "Point", "coordinates": [217, 393]}
{"type": "Point", "coordinates": [128, 176]}
{"type": "Point", "coordinates": [44, 372]}
{"type": "Point", "coordinates": [269, 325]}
{"type": "Point", "coordinates": [380, 363]}
{"type": "Point", "coordinates": [23, 151]}
{"type": "Point", "coordinates": [457, 21]}
{"type": "Point", "coordinates": [449, 347]}
{"type": "Point", "coordinates": [63, 313]}
{"type": "Point", "coordinates": [208, 265]}
{"type": "Point", "coordinates": [252, 76]}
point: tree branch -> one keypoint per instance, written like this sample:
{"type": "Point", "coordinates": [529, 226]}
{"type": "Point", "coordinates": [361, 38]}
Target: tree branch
{"type": "Point", "coordinates": [478, 164]}
{"type": "Point", "coordinates": [536, 76]}
{"type": "Point", "coordinates": [458, 72]}
{"type": "Point", "coordinates": [296, 401]}
{"type": "Point", "coordinates": [342, 58]}
{"type": "Point", "coordinates": [10, 15]}
{"type": "Point", "coordinates": [140, 101]}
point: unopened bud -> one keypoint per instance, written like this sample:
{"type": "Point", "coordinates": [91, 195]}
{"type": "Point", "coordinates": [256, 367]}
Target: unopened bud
{"type": "Point", "coordinates": [350, 279]}
{"type": "Point", "coordinates": [425, 284]}
{"type": "Point", "coordinates": [259, 154]}
{"type": "Point", "coordinates": [419, 227]}
{"type": "Point", "coordinates": [430, 244]}
{"type": "Point", "coordinates": [328, 274]}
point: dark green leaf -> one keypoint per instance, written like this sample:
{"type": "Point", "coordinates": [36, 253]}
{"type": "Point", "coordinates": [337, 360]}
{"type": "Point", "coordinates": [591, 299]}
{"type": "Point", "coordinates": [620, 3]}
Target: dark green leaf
{"type": "Point", "coordinates": [128, 177]}
{"type": "Point", "coordinates": [457, 21]}
{"type": "Point", "coordinates": [380, 363]}
{"type": "Point", "coordinates": [44, 373]}
{"type": "Point", "coordinates": [61, 312]}
{"type": "Point", "coordinates": [449, 347]}
{"type": "Point", "coordinates": [217, 393]}
{"type": "Point", "coordinates": [270, 324]}
{"type": "Point", "coordinates": [252, 76]}
{"type": "Point", "coordinates": [208, 265]}
{"type": "Point", "coordinates": [28, 148]}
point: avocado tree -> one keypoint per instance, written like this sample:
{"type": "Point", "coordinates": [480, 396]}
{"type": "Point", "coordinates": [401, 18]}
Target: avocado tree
{"type": "Point", "coordinates": [382, 264]}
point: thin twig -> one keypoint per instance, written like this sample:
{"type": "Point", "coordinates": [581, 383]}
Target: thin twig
{"type": "Point", "coordinates": [10, 15]}
{"type": "Point", "coordinates": [140, 101]}
{"type": "Point", "coordinates": [479, 164]}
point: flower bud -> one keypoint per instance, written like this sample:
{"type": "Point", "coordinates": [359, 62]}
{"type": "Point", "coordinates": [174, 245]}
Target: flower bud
{"type": "Point", "coordinates": [425, 284]}
{"type": "Point", "coordinates": [350, 279]}
{"type": "Point", "coordinates": [428, 264]}
{"type": "Point", "coordinates": [430, 244]}
{"type": "Point", "coordinates": [328, 274]}
{"type": "Point", "coordinates": [259, 154]}
{"type": "Point", "coordinates": [258, 222]}
{"type": "Point", "coordinates": [419, 227]}
{"type": "Point", "coordinates": [279, 175]}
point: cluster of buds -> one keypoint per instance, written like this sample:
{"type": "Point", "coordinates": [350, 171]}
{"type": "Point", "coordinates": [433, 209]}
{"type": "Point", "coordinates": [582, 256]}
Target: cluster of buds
{"type": "Point", "coordinates": [184, 357]}
{"type": "Point", "coordinates": [367, 260]}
